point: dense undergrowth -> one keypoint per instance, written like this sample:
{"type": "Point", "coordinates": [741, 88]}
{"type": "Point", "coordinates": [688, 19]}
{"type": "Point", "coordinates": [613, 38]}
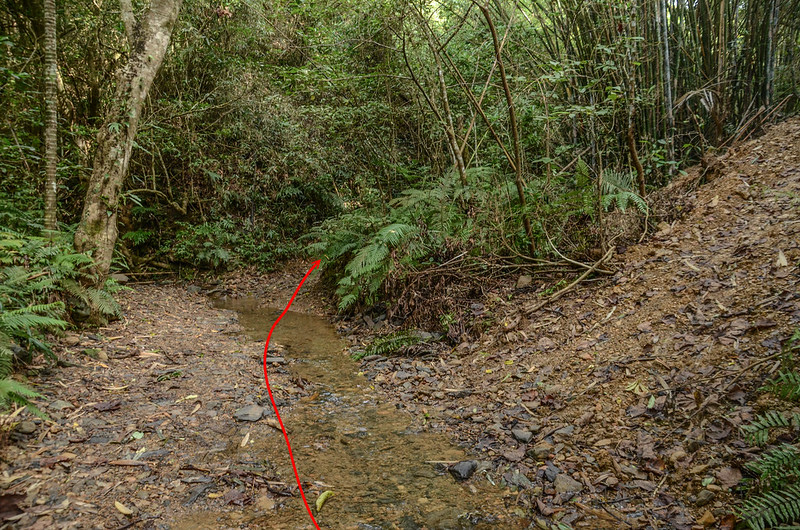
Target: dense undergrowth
{"type": "Point", "coordinates": [43, 289]}
{"type": "Point", "coordinates": [368, 251]}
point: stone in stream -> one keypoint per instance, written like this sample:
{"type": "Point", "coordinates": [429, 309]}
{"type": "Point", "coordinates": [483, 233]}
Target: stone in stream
{"type": "Point", "coordinates": [463, 470]}
{"type": "Point", "coordinates": [249, 413]}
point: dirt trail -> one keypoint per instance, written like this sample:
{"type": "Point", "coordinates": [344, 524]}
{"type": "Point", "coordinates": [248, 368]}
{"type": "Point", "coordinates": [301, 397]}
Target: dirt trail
{"type": "Point", "coordinates": [634, 387]}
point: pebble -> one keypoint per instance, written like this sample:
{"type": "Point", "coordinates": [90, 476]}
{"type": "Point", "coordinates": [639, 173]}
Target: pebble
{"type": "Point", "coordinates": [541, 450]}
{"type": "Point", "coordinates": [524, 281]}
{"type": "Point", "coordinates": [522, 435]}
{"type": "Point", "coordinates": [249, 413]}
{"type": "Point", "coordinates": [704, 497]}
{"type": "Point", "coordinates": [26, 427]}
{"type": "Point", "coordinates": [60, 404]}
{"type": "Point", "coordinates": [566, 484]}
{"type": "Point", "coordinates": [401, 375]}
{"type": "Point", "coordinates": [463, 470]}
{"type": "Point", "coordinates": [707, 519]}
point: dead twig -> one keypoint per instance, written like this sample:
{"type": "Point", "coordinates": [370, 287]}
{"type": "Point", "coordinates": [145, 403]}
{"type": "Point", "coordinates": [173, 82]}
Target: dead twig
{"type": "Point", "coordinates": [555, 296]}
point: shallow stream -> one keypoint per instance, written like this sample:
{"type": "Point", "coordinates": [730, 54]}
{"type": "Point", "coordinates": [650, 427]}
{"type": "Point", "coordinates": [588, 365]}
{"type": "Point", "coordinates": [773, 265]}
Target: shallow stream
{"type": "Point", "coordinates": [382, 472]}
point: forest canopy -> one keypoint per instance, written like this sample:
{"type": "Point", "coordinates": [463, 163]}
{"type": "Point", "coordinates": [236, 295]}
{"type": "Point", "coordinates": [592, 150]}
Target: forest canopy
{"type": "Point", "coordinates": [386, 136]}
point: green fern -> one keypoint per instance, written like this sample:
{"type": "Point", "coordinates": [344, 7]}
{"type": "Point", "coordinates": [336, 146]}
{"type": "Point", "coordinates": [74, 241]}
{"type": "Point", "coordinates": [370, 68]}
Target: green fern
{"type": "Point", "coordinates": [772, 508]}
{"type": "Point", "coordinates": [389, 344]}
{"type": "Point", "coordinates": [774, 500]}
{"type": "Point", "coordinates": [757, 432]}
{"type": "Point", "coordinates": [618, 188]}
{"type": "Point", "coordinates": [14, 392]}
{"type": "Point", "coordinates": [778, 466]}
{"type": "Point", "coordinates": [786, 385]}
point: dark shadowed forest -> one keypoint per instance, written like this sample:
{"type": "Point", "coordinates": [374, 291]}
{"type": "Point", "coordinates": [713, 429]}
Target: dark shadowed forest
{"type": "Point", "coordinates": [559, 246]}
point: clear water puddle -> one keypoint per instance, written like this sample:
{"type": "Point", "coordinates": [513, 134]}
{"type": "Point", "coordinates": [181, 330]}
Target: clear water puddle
{"type": "Point", "coordinates": [363, 449]}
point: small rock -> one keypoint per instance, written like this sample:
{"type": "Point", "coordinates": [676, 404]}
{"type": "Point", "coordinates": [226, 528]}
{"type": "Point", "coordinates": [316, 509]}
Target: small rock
{"type": "Point", "coordinates": [26, 427]}
{"type": "Point", "coordinates": [524, 281]}
{"type": "Point", "coordinates": [551, 472]}
{"type": "Point", "coordinates": [264, 503]}
{"type": "Point", "coordinates": [704, 497]}
{"type": "Point", "coordinates": [565, 431]}
{"type": "Point", "coordinates": [60, 404]}
{"type": "Point", "coordinates": [120, 278]}
{"type": "Point", "coordinates": [194, 289]}
{"type": "Point", "coordinates": [463, 470]}
{"type": "Point", "coordinates": [72, 339]}
{"type": "Point", "coordinates": [249, 413]}
{"type": "Point", "coordinates": [402, 376]}
{"type": "Point", "coordinates": [677, 455]}
{"type": "Point", "coordinates": [566, 484]}
{"type": "Point", "coordinates": [541, 450]}
{"type": "Point", "coordinates": [522, 435]}
{"type": "Point", "coordinates": [102, 356]}
{"type": "Point", "coordinates": [518, 479]}
{"type": "Point", "coordinates": [545, 344]}
{"type": "Point", "coordinates": [274, 360]}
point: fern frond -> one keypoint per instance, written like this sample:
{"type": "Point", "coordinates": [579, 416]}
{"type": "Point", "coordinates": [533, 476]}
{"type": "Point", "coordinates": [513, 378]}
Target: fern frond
{"type": "Point", "coordinates": [389, 344]}
{"type": "Point", "coordinates": [15, 392]}
{"type": "Point", "coordinates": [772, 508]}
{"type": "Point", "coordinates": [21, 319]}
{"type": "Point", "coordinates": [777, 466]}
{"type": "Point", "coordinates": [758, 430]}
{"type": "Point", "coordinates": [786, 385]}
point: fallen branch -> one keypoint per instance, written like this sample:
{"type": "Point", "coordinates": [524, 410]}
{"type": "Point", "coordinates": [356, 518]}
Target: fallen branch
{"type": "Point", "coordinates": [555, 296]}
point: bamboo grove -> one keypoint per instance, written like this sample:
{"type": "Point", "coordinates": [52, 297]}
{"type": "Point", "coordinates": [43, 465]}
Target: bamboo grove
{"type": "Point", "coordinates": [270, 117]}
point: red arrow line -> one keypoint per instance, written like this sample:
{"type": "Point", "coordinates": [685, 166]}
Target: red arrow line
{"type": "Point", "coordinates": [272, 399]}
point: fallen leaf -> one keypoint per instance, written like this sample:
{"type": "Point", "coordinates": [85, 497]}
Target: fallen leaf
{"type": "Point", "coordinates": [187, 398]}
{"type": "Point", "coordinates": [108, 405]}
{"type": "Point", "coordinates": [781, 261]}
{"type": "Point", "coordinates": [245, 440]}
{"type": "Point", "coordinates": [124, 510]}
{"type": "Point", "coordinates": [729, 476]}
{"type": "Point", "coordinates": [323, 497]}
{"type": "Point", "coordinates": [272, 422]}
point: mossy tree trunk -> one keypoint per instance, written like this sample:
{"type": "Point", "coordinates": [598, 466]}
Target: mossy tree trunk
{"type": "Point", "coordinates": [148, 39]}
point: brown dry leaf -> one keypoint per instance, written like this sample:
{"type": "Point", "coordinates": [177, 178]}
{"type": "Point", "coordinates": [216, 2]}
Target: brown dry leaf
{"type": "Point", "coordinates": [274, 424]}
{"type": "Point", "coordinates": [9, 505]}
{"type": "Point", "coordinates": [108, 405]}
{"type": "Point", "coordinates": [729, 476]}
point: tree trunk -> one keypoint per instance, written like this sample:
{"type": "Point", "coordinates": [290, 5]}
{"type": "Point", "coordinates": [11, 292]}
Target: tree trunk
{"type": "Point", "coordinates": [97, 231]}
{"type": "Point", "coordinates": [51, 115]}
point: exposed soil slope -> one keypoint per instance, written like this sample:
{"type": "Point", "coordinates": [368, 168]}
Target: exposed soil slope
{"type": "Point", "coordinates": [634, 386]}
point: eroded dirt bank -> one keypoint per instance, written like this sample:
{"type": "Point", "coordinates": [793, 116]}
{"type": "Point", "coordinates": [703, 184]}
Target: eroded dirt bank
{"type": "Point", "coordinates": [634, 387]}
